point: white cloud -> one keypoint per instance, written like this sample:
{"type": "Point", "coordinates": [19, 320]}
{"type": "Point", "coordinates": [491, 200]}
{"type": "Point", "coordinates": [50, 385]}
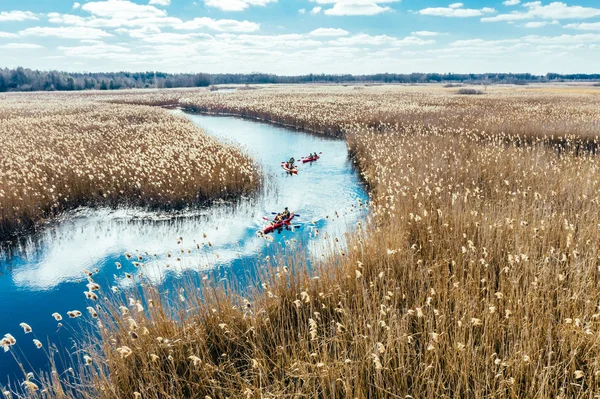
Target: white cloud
{"type": "Point", "coordinates": [21, 46]}
{"type": "Point", "coordinates": [547, 41]}
{"type": "Point", "coordinates": [72, 32]}
{"type": "Point", "coordinates": [94, 22]}
{"type": "Point", "coordinates": [379, 40]}
{"type": "Point", "coordinates": [302, 11]}
{"type": "Point", "coordinates": [556, 10]}
{"type": "Point", "coordinates": [137, 33]}
{"type": "Point", "coordinates": [17, 16]}
{"type": "Point", "coordinates": [221, 25]}
{"type": "Point", "coordinates": [325, 32]}
{"type": "Point", "coordinates": [426, 33]}
{"type": "Point", "coordinates": [364, 39]}
{"type": "Point", "coordinates": [98, 50]}
{"type": "Point", "coordinates": [241, 42]}
{"type": "Point", "coordinates": [564, 39]}
{"type": "Point", "coordinates": [168, 38]}
{"type": "Point", "coordinates": [539, 24]}
{"type": "Point", "coordinates": [315, 10]}
{"type": "Point", "coordinates": [481, 43]}
{"type": "Point", "coordinates": [412, 41]}
{"type": "Point", "coordinates": [511, 2]}
{"type": "Point", "coordinates": [236, 5]}
{"type": "Point", "coordinates": [456, 11]}
{"type": "Point", "coordinates": [355, 7]}
{"type": "Point", "coordinates": [160, 2]}
{"type": "Point", "coordinates": [149, 38]}
{"type": "Point", "coordinates": [91, 41]}
{"type": "Point", "coordinates": [288, 54]}
{"type": "Point", "coordinates": [593, 26]}
{"type": "Point", "coordinates": [122, 9]}
{"type": "Point", "coordinates": [67, 19]}
{"type": "Point", "coordinates": [76, 6]}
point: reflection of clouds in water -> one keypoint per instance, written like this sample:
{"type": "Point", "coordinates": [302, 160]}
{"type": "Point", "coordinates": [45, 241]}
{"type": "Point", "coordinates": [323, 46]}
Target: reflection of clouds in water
{"type": "Point", "coordinates": [92, 238]}
{"type": "Point", "coordinates": [48, 271]}
{"type": "Point", "coordinates": [155, 271]}
{"type": "Point", "coordinates": [96, 238]}
{"type": "Point", "coordinates": [87, 241]}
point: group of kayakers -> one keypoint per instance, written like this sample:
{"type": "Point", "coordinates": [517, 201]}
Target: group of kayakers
{"type": "Point", "coordinates": [282, 219]}
{"type": "Point", "coordinates": [291, 163]}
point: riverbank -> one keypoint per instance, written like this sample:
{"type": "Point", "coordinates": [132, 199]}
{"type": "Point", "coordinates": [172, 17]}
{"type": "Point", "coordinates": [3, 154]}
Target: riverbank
{"type": "Point", "coordinates": [63, 151]}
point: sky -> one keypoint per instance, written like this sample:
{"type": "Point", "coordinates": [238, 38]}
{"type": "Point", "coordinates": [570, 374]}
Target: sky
{"type": "Point", "coordinates": [291, 37]}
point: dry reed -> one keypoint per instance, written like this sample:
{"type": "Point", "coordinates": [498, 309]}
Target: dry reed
{"type": "Point", "coordinates": [478, 274]}
{"type": "Point", "coordinates": [61, 151]}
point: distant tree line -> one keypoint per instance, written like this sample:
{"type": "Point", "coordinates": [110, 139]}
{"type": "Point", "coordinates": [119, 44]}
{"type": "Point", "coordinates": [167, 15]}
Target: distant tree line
{"type": "Point", "coordinates": [22, 79]}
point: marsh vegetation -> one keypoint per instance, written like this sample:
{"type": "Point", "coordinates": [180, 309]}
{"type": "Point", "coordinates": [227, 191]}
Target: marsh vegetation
{"type": "Point", "coordinates": [477, 273]}
{"type": "Point", "coordinates": [62, 151]}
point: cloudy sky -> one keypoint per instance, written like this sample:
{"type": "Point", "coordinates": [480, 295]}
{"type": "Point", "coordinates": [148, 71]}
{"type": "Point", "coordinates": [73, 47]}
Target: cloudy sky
{"type": "Point", "coordinates": [302, 36]}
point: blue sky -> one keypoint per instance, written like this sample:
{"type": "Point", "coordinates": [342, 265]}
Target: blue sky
{"type": "Point", "coordinates": [302, 36]}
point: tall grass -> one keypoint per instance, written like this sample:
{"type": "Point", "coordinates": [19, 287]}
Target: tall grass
{"type": "Point", "coordinates": [477, 274]}
{"type": "Point", "coordinates": [516, 113]}
{"type": "Point", "coordinates": [59, 152]}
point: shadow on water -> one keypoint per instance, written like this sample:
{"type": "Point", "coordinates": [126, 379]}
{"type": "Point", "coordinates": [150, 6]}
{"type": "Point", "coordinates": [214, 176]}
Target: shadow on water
{"type": "Point", "coordinates": [45, 273]}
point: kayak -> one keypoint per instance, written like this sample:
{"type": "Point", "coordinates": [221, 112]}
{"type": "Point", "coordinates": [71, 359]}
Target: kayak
{"type": "Point", "coordinates": [278, 225]}
{"type": "Point", "coordinates": [311, 159]}
{"type": "Point", "coordinates": [290, 171]}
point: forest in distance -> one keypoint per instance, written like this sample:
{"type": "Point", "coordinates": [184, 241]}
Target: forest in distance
{"type": "Point", "coordinates": [24, 79]}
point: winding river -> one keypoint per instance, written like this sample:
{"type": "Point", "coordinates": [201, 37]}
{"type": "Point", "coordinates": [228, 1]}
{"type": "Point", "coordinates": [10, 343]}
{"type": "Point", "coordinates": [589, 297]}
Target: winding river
{"type": "Point", "coordinates": [45, 274]}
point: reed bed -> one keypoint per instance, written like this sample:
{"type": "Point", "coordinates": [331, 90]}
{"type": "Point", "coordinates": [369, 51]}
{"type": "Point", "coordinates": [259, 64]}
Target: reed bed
{"type": "Point", "coordinates": [477, 273]}
{"type": "Point", "coordinates": [519, 114]}
{"type": "Point", "coordinates": [61, 151]}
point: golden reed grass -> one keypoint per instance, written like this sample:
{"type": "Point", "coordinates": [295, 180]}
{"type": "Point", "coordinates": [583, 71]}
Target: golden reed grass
{"type": "Point", "coordinates": [60, 151]}
{"type": "Point", "coordinates": [478, 273]}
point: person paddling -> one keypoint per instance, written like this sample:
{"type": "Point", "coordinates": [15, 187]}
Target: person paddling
{"type": "Point", "coordinates": [290, 164]}
{"type": "Point", "coordinates": [286, 214]}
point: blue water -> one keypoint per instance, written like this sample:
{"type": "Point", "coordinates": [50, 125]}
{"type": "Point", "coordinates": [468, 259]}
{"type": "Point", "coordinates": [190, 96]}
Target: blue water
{"type": "Point", "coordinates": [46, 273]}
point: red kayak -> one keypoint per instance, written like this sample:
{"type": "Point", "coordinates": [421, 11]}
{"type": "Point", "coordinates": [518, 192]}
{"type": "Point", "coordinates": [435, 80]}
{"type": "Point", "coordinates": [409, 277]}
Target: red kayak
{"type": "Point", "coordinates": [278, 225]}
{"type": "Point", "coordinates": [311, 159]}
{"type": "Point", "coordinates": [290, 171]}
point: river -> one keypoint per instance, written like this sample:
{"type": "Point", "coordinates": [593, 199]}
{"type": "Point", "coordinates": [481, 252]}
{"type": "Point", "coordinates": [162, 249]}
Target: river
{"type": "Point", "coordinates": [46, 273]}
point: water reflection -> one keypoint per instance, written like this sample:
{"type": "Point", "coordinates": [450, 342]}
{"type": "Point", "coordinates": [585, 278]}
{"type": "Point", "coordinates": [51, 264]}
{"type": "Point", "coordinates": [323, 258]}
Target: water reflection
{"type": "Point", "coordinates": [46, 274]}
